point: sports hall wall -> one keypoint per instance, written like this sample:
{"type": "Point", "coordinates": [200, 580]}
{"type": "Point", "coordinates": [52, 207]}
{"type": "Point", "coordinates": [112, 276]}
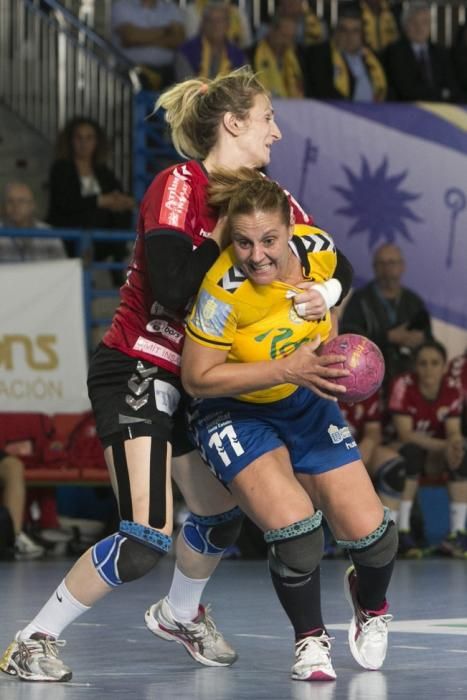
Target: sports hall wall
{"type": "Point", "coordinates": [377, 173]}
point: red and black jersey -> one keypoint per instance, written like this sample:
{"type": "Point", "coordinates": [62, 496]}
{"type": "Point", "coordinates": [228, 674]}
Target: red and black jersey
{"type": "Point", "coordinates": [428, 415]}
{"type": "Point", "coordinates": [358, 414]}
{"type": "Point", "coordinates": [458, 370]}
{"type": "Point", "coordinates": [175, 201]}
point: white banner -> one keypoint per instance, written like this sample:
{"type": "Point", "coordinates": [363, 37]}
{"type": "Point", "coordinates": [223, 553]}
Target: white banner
{"type": "Point", "coordinates": [43, 361]}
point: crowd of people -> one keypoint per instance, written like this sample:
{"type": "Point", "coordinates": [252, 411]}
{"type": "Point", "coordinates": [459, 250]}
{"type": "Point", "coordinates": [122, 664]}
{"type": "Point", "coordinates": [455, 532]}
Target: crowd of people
{"type": "Point", "coordinates": [376, 51]}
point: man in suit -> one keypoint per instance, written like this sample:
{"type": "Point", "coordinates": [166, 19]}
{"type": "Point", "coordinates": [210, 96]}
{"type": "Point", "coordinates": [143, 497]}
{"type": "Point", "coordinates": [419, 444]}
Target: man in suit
{"type": "Point", "coordinates": [418, 69]}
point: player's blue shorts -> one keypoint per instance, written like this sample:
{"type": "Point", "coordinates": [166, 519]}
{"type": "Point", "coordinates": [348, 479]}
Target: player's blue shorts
{"type": "Point", "coordinates": [230, 434]}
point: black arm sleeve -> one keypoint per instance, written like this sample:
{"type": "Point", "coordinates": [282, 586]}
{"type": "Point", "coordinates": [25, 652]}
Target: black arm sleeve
{"type": "Point", "coordinates": [344, 273]}
{"type": "Point", "coordinates": [175, 269]}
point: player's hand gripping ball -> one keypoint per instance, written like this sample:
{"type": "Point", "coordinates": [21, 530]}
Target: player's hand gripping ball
{"type": "Point", "coordinates": [364, 361]}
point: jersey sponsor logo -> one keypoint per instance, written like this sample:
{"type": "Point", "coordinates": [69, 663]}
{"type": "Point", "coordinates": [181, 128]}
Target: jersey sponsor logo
{"type": "Point", "coordinates": [211, 315]}
{"type": "Point", "coordinates": [163, 328]}
{"type": "Point", "coordinates": [338, 435]}
{"type": "Point", "coordinates": [350, 445]}
{"type": "Point", "coordinates": [175, 200]}
{"type": "Point", "coordinates": [151, 348]}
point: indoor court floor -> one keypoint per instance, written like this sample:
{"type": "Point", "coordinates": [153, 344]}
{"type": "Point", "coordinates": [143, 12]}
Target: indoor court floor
{"type": "Point", "coordinates": [114, 657]}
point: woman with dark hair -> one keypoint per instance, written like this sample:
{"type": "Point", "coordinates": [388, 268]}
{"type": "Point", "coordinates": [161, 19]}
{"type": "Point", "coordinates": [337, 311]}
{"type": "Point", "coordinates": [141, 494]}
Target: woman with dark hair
{"type": "Point", "coordinates": [84, 192]}
{"type": "Point", "coordinates": [426, 405]}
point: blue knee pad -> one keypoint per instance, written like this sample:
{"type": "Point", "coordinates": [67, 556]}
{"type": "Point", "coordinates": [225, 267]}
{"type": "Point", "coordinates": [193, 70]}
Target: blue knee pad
{"type": "Point", "coordinates": [130, 553]}
{"type": "Point", "coordinates": [212, 534]}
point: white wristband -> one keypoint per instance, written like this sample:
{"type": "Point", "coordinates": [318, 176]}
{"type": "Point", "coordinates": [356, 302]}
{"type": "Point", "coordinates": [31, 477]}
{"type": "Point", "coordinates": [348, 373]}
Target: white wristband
{"type": "Point", "coordinates": [330, 291]}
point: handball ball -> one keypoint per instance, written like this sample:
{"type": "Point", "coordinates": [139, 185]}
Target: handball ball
{"type": "Point", "coordinates": [365, 362]}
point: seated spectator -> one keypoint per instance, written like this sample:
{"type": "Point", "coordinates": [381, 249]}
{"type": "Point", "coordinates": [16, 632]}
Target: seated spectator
{"type": "Point", "coordinates": [344, 68]}
{"type": "Point", "coordinates": [309, 29]}
{"type": "Point", "coordinates": [239, 28]}
{"type": "Point", "coordinates": [84, 192]}
{"type": "Point", "coordinates": [459, 58]}
{"type": "Point", "coordinates": [276, 61]}
{"type": "Point", "coordinates": [14, 498]}
{"type": "Point", "coordinates": [149, 32]}
{"type": "Point", "coordinates": [210, 53]}
{"type": "Point", "coordinates": [426, 405]}
{"type": "Point", "coordinates": [392, 316]}
{"type": "Point", "coordinates": [418, 69]}
{"type": "Point", "coordinates": [19, 211]}
{"type": "Point", "coordinates": [379, 24]}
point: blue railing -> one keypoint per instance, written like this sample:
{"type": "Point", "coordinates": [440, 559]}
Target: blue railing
{"type": "Point", "coordinates": [152, 147]}
{"type": "Point", "coordinates": [83, 241]}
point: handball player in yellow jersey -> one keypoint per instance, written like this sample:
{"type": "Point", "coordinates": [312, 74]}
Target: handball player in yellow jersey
{"type": "Point", "coordinates": [280, 446]}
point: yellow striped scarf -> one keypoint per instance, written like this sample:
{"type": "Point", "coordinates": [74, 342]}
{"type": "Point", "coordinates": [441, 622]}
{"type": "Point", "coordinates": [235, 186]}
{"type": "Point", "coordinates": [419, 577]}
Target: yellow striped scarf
{"type": "Point", "coordinates": [205, 63]}
{"type": "Point", "coordinates": [342, 74]}
{"type": "Point", "coordinates": [281, 82]}
{"type": "Point", "coordinates": [378, 30]}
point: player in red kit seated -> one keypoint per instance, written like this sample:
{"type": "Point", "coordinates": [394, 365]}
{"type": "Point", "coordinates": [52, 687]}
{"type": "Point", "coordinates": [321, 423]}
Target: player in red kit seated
{"type": "Point", "coordinates": [426, 407]}
{"type": "Point", "coordinates": [386, 466]}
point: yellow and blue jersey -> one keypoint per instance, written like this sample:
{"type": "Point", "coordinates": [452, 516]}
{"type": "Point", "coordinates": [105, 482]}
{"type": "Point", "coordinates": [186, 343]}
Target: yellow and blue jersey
{"type": "Point", "coordinates": [254, 322]}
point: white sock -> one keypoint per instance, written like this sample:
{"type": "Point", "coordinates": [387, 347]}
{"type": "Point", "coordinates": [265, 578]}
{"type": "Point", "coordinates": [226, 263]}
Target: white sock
{"type": "Point", "coordinates": [393, 515]}
{"type": "Point", "coordinates": [405, 508]}
{"type": "Point", "coordinates": [59, 612]}
{"type": "Point", "coordinates": [185, 595]}
{"type": "Point", "coordinates": [457, 515]}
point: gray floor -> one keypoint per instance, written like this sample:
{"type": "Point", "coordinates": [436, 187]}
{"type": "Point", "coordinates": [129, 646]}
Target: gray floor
{"type": "Point", "coordinates": [114, 656]}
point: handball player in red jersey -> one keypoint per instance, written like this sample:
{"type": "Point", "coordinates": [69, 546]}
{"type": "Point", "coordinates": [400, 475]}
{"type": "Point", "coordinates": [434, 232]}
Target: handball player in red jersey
{"type": "Point", "coordinates": [136, 393]}
{"type": "Point", "coordinates": [426, 407]}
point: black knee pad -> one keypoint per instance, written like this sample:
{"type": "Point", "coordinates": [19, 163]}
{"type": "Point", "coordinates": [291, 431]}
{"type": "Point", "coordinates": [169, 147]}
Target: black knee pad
{"type": "Point", "coordinates": [292, 554]}
{"type": "Point", "coordinates": [414, 457]}
{"type": "Point", "coordinates": [212, 534]}
{"type": "Point", "coordinates": [136, 560]}
{"type": "Point", "coordinates": [130, 553]}
{"type": "Point", "coordinates": [390, 477]}
{"type": "Point", "coordinates": [377, 553]}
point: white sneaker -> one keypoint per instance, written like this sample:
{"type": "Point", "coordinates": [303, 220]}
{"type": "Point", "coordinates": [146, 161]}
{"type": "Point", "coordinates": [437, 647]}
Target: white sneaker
{"type": "Point", "coordinates": [35, 660]}
{"type": "Point", "coordinates": [313, 659]}
{"type": "Point", "coordinates": [26, 548]}
{"type": "Point", "coordinates": [368, 630]}
{"type": "Point", "coordinates": [201, 638]}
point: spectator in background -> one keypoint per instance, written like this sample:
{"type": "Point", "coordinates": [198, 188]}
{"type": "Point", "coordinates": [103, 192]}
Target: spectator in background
{"type": "Point", "coordinates": [149, 32]}
{"type": "Point", "coordinates": [379, 24]}
{"type": "Point", "coordinates": [344, 68]}
{"type": "Point", "coordinates": [392, 316]}
{"type": "Point", "coordinates": [84, 192]}
{"type": "Point", "coordinates": [14, 499]}
{"type": "Point", "coordinates": [19, 211]}
{"type": "Point", "coordinates": [309, 29]}
{"type": "Point", "coordinates": [275, 59]}
{"type": "Point", "coordinates": [459, 58]}
{"type": "Point", "coordinates": [210, 53]}
{"type": "Point", "coordinates": [418, 69]}
{"type": "Point", "coordinates": [239, 28]}
{"type": "Point", "coordinates": [426, 407]}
